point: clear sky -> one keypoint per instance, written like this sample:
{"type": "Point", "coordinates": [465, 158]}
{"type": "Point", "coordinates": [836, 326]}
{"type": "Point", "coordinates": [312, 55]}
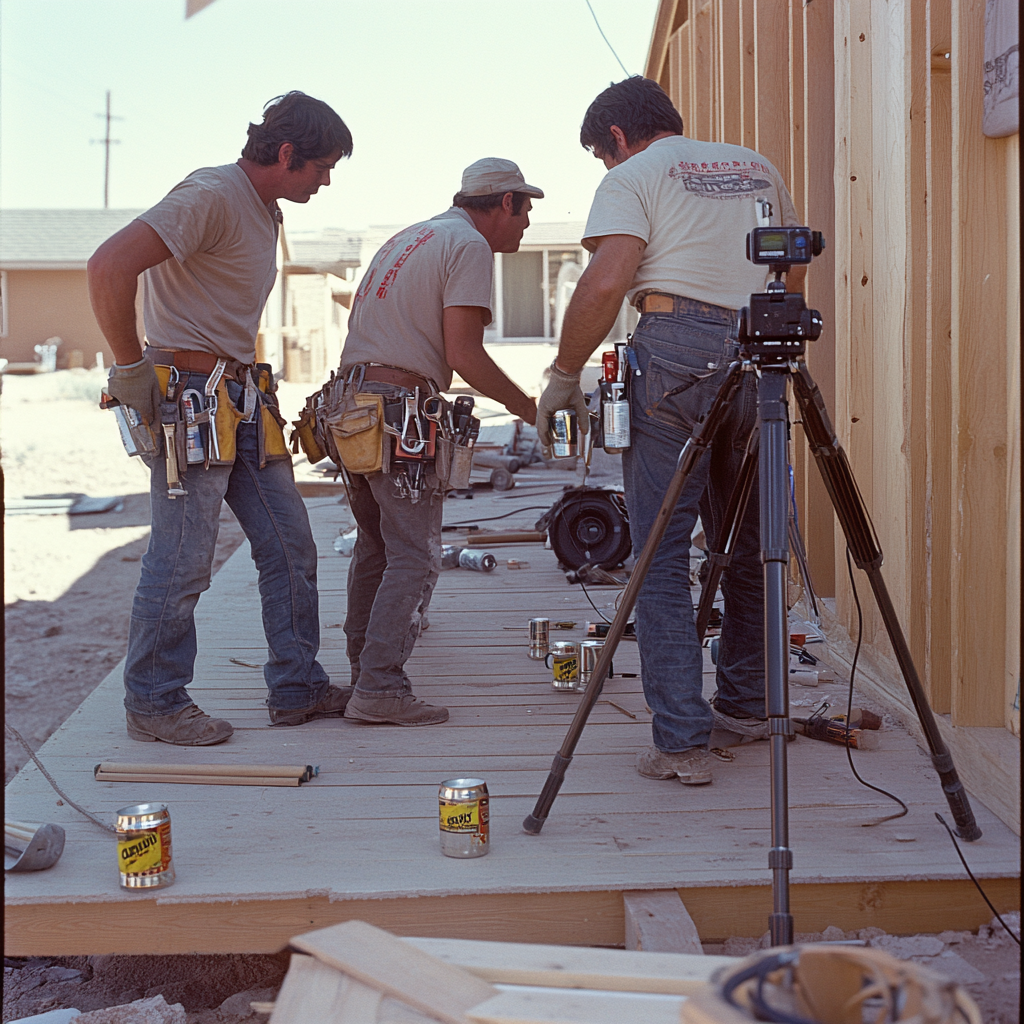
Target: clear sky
{"type": "Point", "coordinates": [425, 86]}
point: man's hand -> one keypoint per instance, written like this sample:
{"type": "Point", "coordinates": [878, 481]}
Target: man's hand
{"type": "Point", "coordinates": [563, 392]}
{"type": "Point", "coordinates": [138, 387]}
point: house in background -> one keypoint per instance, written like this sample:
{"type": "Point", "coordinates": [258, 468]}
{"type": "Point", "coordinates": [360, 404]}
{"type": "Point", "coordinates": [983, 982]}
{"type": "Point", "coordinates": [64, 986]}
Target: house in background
{"type": "Point", "coordinates": [43, 289]}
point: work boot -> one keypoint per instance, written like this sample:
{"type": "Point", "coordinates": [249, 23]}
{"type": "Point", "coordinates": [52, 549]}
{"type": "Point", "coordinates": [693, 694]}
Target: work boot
{"type": "Point", "coordinates": [188, 727]}
{"type": "Point", "coordinates": [403, 710]}
{"type": "Point", "coordinates": [692, 767]}
{"type": "Point", "coordinates": [332, 704]}
{"type": "Point", "coordinates": [727, 731]}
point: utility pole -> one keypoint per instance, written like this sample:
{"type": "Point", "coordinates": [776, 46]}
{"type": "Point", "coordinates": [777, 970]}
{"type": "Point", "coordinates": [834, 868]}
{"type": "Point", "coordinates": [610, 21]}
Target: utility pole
{"type": "Point", "coordinates": [107, 142]}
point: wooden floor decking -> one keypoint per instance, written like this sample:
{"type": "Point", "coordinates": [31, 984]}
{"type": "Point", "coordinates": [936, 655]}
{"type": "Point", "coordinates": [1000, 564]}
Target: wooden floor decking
{"type": "Point", "coordinates": [257, 865]}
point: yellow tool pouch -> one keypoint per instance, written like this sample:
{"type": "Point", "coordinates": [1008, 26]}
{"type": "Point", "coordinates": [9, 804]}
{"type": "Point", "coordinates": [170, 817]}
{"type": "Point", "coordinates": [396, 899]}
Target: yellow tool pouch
{"type": "Point", "coordinates": [270, 426]}
{"type": "Point", "coordinates": [357, 426]}
{"type": "Point", "coordinates": [304, 436]}
{"type": "Point", "coordinates": [225, 421]}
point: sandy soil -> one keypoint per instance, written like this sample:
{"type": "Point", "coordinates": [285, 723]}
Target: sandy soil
{"type": "Point", "coordinates": [69, 582]}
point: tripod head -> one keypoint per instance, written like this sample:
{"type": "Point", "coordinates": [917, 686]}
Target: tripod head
{"type": "Point", "coordinates": [775, 326]}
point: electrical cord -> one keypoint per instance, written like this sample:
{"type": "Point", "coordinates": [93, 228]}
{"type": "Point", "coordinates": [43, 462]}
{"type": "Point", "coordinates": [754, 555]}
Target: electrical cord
{"type": "Point", "coordinates": [504, 515]}
{"type": "Point", "coordinates": [849, 707]}
{"type": "Point", "coordinates": [974, 880]}
{"type": "Point", "coordinates": [605, 38]}
{"type": "Point", "coordinates": [50, 779]}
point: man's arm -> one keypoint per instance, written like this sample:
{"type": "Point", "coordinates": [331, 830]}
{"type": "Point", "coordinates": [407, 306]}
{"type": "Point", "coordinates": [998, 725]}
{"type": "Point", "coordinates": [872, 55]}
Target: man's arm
{"type": "Point", "coordinates": [598, 298]}
{"type": "Point", "coordinates": [591, 314]}
{"type": "Point", "coordinates": [113, 273]}
{"type": "Point", "coordinates": [464, 352]}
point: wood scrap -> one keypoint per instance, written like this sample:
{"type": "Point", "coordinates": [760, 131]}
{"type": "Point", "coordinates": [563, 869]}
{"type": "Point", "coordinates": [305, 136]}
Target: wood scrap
{"type": "Point", "coordinates": [481, 539]}
{"type": "Point", "coordinates": [205, 774]}
{"type": "Point", "coordinates": [615, 970]}
{"type": "Point", "coordinates": [376, 958]}
{"type": "Point", "coordinates": [312, 991]}
{"type": "Point", "coordinates": [658, 921]}
{"type": "Point", "coordinates": [539, 1007]}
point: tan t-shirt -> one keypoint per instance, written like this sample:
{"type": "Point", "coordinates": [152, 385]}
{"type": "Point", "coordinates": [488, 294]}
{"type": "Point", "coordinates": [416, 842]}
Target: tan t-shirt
{"type": "Point", "coordinates": [397, 312]}
{"type": "Point", "coordinates": [210, 297]}
{"type": "Point", "coordinates": [693, 204]}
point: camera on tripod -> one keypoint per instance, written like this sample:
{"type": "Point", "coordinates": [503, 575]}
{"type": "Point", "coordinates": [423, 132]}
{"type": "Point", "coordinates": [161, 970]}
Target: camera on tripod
{"type": "Point", "coordinates": [777, 324]}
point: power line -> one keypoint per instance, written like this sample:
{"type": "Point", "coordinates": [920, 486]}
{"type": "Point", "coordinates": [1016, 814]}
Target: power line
{"type": "Point", "coordinates": [107, 142]}
{"type": "Point", "coordinates": [605, 38]}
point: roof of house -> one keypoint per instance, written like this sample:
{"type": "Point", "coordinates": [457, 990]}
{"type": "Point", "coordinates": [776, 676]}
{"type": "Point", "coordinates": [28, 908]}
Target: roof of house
{"type": "Point", "coordinates": [331, 251]}
{"type": "Point", "coordinates": [56, 239]}
{"type": "Point", "coordinates": [554, 234]}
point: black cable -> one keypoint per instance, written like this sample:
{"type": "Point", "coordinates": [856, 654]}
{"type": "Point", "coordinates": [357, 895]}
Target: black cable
{"type": "Point", "coordinates": [605, 38]}
{"type": "Point", "coordinates": [974, 880]}
{"type": "Point", "coordinates": [592, 605]}
{"type": "Point", "coordinates": [505, 515]}
{"type": "Point", "coordinates": [849, 707]}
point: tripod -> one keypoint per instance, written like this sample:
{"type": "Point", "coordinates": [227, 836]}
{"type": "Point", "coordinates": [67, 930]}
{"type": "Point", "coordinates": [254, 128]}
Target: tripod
{"type": "Point", "coordinates": [776, 356]}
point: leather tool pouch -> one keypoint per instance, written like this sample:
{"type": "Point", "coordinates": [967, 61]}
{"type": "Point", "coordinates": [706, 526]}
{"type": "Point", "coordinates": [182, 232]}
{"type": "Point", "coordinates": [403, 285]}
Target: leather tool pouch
{"type": "Point", "coordinates": [304, 435]}
{"type": "Point", "coordinates": [357, 426]}
{"type": "Point", "coordinates": [452, 463]}
{"type": "Point", "coordinates": [269, 423]}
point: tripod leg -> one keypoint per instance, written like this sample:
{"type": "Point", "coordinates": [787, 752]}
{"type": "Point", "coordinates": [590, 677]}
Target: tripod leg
{"type": "Point", "coordinates": [718, 561]}
{"type": "Point", "coordinates": [774, 489]}
{"type": "Point", "coordinates": [860, 535]}
{"type": "Point", "coordinates": [690, 455]}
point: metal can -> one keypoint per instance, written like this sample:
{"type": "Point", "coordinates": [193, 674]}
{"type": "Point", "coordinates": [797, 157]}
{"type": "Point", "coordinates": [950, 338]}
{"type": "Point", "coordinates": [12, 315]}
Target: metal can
{"type": "Point", "coordinates": [192, 402]}
{"type": "Point", "coordinates": [565, 434]}
{"type": "Point", "coordinates": [144, 846]}
{"type": "Point", "coordinates": [590, 651]}
{"type": "Point", "coordinates": [539, 631]}
{"type": "Point", "coordinates": [615, 420]}
{"type": "Point", "coordinates": [565, 665]}
{"type": "Point", "coordinates": [481, 561]}
{"type": "Point", "coordinates": [464, 817]}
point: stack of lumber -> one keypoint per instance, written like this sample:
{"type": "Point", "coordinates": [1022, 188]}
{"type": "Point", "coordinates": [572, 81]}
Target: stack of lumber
{"type": "Point", "coordinates": [358, 974]}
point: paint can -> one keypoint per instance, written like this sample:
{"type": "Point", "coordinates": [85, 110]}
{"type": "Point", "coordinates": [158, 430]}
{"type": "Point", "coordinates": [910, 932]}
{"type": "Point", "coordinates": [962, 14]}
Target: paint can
{"type": "Point", "coordinates": [144, 846]}
{"type": "Point", "coordinates": [565, 665]}
{"type": "Point", "coordinates": [565, 434]}
{"type": "Point", "coordinates": [464, 817]}
{"type": "Point", "coordinates": [539, 631]}
{"type": "Point", "coordinates": [590, 651]}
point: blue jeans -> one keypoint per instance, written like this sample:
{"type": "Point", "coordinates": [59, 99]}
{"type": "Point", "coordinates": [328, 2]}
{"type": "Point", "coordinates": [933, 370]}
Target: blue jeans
{"type": "Point", "coordinates": [176, 570]}
{"type": "Point", "coordinates": [395, 564]}
{"type": "Point", "coordinates": [683, 363]}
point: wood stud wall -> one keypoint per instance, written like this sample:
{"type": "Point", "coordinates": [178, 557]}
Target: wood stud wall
{"type": "Point", "coordinates": [878, 134]}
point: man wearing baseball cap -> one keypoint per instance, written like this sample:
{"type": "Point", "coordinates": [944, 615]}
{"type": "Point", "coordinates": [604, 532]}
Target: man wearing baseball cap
{"type": "Point", "coordinates": [418, 316]}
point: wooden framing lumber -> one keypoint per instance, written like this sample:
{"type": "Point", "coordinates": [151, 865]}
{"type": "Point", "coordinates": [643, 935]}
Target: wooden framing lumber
{"type": "Point", "coordinates": [657, 921]}
{"type": "Point", "coordinates": [575, 918]}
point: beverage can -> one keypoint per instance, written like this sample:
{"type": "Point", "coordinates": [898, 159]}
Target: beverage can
{"type": "Point", "coordinates": [464, 817]}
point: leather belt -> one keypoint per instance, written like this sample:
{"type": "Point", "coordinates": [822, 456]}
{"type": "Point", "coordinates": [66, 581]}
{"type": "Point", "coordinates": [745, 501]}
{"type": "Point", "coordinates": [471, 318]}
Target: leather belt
{"type": "Point", "coordinates": [194, 362]}
{"type": "Point", "coordinates": [664, 302]}
{"type": "Point", "coordinates": [400, 378]}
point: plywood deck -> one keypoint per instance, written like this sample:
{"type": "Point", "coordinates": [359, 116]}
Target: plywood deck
{"type": "Point", "coordinates": [257, 865]}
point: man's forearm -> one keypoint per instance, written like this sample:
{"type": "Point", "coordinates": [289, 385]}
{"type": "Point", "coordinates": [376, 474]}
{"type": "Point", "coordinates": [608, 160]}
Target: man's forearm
{"type": "Point", "coordinates": [481, 372]}
{"type": "Point", "coordinates": [113, 302]}
{"type": "Point", "coordinates": [591, 315]}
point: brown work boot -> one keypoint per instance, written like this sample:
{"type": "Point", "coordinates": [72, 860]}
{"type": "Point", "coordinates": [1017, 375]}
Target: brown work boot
{"type": "Point", "coordinates": [188, 727]}
{"type": "Point", "coordinates": [692, 767]}
{"type": "Point", "coordinates": [403, 710]}
{"type": "Point", "coordinates": [331, 704]}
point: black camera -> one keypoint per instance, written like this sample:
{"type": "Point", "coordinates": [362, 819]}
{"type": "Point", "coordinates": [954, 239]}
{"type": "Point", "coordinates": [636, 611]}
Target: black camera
{"type": "Point", "coordinates": [784, 246]}
{"type": "Point", "coordinates": [777, 324]}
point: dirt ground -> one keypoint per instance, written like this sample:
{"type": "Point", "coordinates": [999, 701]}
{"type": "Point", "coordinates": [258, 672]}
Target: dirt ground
{"type": "Point", "coordinates": [68, 585]}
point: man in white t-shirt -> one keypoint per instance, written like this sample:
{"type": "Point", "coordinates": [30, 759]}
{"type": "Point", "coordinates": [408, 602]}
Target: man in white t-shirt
{"type": "Point", "coordinates": [667, 229]}
{"type": "Point", "coordinates": [419, 315]}
{"type": "Point", "coordinates": [208, 253]}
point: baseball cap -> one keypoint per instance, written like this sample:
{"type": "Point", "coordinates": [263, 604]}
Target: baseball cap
{"type": "Point", "coordinates": [491, 175]}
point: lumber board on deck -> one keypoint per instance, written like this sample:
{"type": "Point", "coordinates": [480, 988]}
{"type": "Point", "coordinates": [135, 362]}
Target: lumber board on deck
{"type": "Point", "coordinates": [658, 922]}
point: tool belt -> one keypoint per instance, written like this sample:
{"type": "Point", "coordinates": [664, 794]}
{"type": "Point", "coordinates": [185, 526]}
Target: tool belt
{"type": "Point", "coordinates": [199, 425]}
{"type": "Point", "coordinates": [364, 432]}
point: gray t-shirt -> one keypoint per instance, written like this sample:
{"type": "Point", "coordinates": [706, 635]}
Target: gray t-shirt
{"type": "Point", "coordinates": [397, 312]}
{"type": "Point", "coordinates": [210, 297]}
{"type": "Point", "coordinates": [692, 203]}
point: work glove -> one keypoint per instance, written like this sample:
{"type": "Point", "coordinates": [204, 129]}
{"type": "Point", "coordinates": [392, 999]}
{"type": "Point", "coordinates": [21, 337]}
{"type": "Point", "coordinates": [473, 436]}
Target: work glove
{"type": "Point", "coordinates": [563, 392]}
{"type": "Point", "coordinates": [138, 387]}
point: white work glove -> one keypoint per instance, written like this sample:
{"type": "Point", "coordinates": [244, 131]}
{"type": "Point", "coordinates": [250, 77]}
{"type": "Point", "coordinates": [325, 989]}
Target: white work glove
{"type": "Point", "coordinates": [138, 387]}
{"type": "Point", "coordinates": [563, 392]}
